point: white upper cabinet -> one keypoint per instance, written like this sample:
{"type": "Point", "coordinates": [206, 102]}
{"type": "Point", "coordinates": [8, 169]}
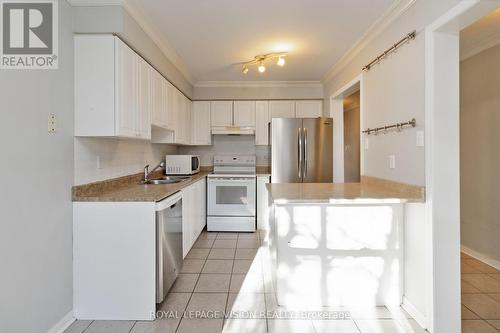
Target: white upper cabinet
{"type": "Point", "coordinates": [308, 109]}
{"type": "Point", "coordinates": [159, 112]}
{"type": "Point", "coordinates": [262, 119]}
{"type": "Point", "coordinates": [113, 95]}
{"type": "Point", "coordinates": [221, 113]}
{"type": "Point", "coordinates": [282, 109]}
{"type": "Point", "coordinates": [201, 123]}
{"type": "Point", "coordinates": [244, 114]}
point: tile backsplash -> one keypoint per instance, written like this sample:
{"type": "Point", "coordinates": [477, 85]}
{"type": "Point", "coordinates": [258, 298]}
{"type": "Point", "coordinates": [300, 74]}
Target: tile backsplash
{"type": "Point", "coordinates": [104, 158]}
{"type": "Point", "coordinates": [227, 145]}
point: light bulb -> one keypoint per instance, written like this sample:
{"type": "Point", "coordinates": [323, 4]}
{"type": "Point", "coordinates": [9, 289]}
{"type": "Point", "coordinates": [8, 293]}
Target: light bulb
{"type": "Point", "coordinates": [262, 68]}
{"type": "Point", "coordinates": [245, 70]}
{"type": "Point", "coordinates": [281, 61]}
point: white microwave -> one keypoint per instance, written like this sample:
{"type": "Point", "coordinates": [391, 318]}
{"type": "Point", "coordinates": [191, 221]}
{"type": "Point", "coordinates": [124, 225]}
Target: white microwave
{"type": "Point", "coordinates": [182, 164]}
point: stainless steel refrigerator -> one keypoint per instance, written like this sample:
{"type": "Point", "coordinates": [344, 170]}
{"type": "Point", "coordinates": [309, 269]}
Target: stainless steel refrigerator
{"type": "Point", "coordinates": [301, 150]}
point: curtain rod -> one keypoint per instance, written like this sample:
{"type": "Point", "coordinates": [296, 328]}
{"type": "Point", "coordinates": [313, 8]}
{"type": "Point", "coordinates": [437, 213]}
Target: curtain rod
{"type": "Point", "coordinates": [393, 48]}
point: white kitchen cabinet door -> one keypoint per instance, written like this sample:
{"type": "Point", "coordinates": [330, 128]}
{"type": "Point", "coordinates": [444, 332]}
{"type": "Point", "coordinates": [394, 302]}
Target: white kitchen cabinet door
{"type": "Point", "coordinates": [169, 92]}
{"type": "Point", "coordinates": [201, 124]}
{"type": "Point", "coordinates": [221, 113]}
{"type": "Point", "coordinates": [178, 106]}
{"type": "Point", "coordinates": [126, 93]}
{"type": "Point", "coordinates": [113, 96]}
{"type": "Point", "coordinates": [159, 112]}
{"type": "Point", "coordinates": [262, 203]}
{"type": "Point", "coordinates": [308, 109]}
{"type": "Point", "coordinates": [262, 119]}
{"type": "Point", "coordinates": [145, 100]}
{"type": "Point", "coordinates": [244, 113]}
{"type": "Point", "coordinates": [187, 122]}
{"type": "Point", "coordinates": [200, 188]}
{"type": "Point", "coordinates": [188, 207]}
{"type": "Point", "coordinates": [282, 109]}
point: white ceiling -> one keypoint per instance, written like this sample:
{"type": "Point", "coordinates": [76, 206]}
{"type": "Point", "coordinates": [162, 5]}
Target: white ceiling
{"type": "Point", "coordinates": [211, 36]}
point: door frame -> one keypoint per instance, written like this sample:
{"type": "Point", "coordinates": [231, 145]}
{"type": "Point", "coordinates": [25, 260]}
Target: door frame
{"type": "Point", "coordinates": [442, 160]}
{"type": "Point", "coordinates": [337, 113]}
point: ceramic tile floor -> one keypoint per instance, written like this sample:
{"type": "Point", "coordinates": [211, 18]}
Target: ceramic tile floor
{"type": "Point", "coordinates": [225, 286]}
{"type": "Point", "coordinates": [480, 296]}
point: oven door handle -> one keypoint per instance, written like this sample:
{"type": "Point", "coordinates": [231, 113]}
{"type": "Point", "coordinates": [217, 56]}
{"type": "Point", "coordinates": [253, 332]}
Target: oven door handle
{"type": "Point", "coordinates": [247, 179]}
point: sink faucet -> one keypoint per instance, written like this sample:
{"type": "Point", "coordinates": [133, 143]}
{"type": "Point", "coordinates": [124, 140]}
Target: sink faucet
{"type": "Point", "coordinates": [148, 173]}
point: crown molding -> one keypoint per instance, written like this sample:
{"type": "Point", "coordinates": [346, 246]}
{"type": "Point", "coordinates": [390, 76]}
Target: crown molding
{"type": "Point", "coordinates": [479, 46]}
{"type": "Point", "coordinates": [398, 8]}
{"type": "Point", "coordinates": [167, 50]}
{"type": "Point", "coordinates": [247, 84]}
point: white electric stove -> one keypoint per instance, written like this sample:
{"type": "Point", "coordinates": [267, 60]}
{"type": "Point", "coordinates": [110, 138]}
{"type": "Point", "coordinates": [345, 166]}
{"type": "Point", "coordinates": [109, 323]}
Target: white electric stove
{"type": "Point", "coordinates": [231, 197]}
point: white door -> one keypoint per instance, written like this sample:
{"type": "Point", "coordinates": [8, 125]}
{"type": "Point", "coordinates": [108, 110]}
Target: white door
{"type": "Point", "coordinates": [262, 122]}
{"type": "Point", "coordinates": [201, 123]}
{"type": "Point", "coordinates": [308, 109]}
{"type": "Point", "coordinates": [144, 105]}
{"type": "Point", "coordinates": [244, 113]}
{"type": "Point", "coordinates": [221, 113]}
{"type": "Point", "coordinates": [126, 90]}
{"type": "Point", "coordinates": [282, 109]}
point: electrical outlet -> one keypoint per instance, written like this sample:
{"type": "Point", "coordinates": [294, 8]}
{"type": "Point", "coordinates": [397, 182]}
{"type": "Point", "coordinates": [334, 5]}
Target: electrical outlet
{"type": "Point", "coordinates": [51, 123]}
{"type": "Point", "coordinates": [420, 138]}
{"type": "Point", "coordinates": [98, 162]}
{"type": "Point", "coordinates": [392, 162]}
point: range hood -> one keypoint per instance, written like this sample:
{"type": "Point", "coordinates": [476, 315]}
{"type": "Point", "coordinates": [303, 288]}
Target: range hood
{"type": "Point", "coordinates": [233, 130]}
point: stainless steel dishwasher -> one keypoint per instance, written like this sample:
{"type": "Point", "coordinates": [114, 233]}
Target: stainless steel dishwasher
{"type": "Point", "coordinates": [168, 243]}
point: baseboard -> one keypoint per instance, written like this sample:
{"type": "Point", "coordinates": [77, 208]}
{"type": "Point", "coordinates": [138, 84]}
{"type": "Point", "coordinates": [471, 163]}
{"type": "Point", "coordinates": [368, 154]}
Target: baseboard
{"type": "Point", "coordinates": [481, 257]}
{"type": "Point", "coordinates": [419, 317]}
{"type": "Point", "coordinates": [63, 324]}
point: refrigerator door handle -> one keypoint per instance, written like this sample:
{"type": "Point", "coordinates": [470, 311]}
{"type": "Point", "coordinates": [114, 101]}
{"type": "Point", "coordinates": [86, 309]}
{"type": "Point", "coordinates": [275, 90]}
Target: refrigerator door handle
{"type": "Point", "coordinates": [299, 152]}
{"type": "Point", "coordinates": [305, 153]}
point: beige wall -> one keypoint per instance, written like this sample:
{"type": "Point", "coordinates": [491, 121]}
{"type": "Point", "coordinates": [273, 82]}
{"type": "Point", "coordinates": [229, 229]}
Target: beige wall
{"type": "Point", "coordinates": [480, 152]}
{"type": "Point", "coordinates": [351, 139]}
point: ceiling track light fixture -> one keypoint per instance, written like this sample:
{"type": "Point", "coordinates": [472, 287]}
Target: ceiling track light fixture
{"type": "Point", "coordinates": [260, 59]}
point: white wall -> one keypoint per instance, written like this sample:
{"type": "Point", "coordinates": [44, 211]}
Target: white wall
{"type": "Point", "coordinates": [259, 90]}
{"type": "Point", "coordinates": [35, 195]}
{"type": "Point", "coordinates": [227, 145]}
{"type": "Point", "coordinates": [117, 157]}
{"type": "Point", "coordinates": [480, 152]}
{"type": "Point", "coordinates": [394, 91]}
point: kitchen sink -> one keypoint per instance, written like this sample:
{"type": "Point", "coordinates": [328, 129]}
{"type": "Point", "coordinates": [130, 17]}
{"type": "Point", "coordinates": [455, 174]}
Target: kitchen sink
{"type": "Point", "coordinates": [167, 180]}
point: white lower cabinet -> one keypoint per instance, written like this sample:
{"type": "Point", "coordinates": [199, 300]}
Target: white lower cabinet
{"type": "Point", "coordinates": [194, 216]}
{"type": "Point", "coordinates": [262, 203]}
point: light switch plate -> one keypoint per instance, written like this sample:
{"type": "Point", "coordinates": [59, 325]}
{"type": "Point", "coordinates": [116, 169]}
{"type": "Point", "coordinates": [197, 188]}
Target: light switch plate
{"type": "Point", "coordinates": [420, 138]}
{"type": "Point", "coordinates": [367, 143]}
{"type": "Point", "coordinates": [51, 123]}
{"type": "Point", "coordinates": [392, 162]}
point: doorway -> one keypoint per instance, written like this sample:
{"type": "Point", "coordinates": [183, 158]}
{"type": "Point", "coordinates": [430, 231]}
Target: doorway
{"type": "Point", "coordinates": [352, 130]}
{"type": "Point", "coordinates": [479, 171]}
{"type": "Point", "coordinates": [442, 164]}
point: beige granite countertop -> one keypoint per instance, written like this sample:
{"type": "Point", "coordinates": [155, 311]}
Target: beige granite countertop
{"type": "Point", "coordinates": [369, 190]}
{"type": "Point", "coordinates": [129, 189]}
